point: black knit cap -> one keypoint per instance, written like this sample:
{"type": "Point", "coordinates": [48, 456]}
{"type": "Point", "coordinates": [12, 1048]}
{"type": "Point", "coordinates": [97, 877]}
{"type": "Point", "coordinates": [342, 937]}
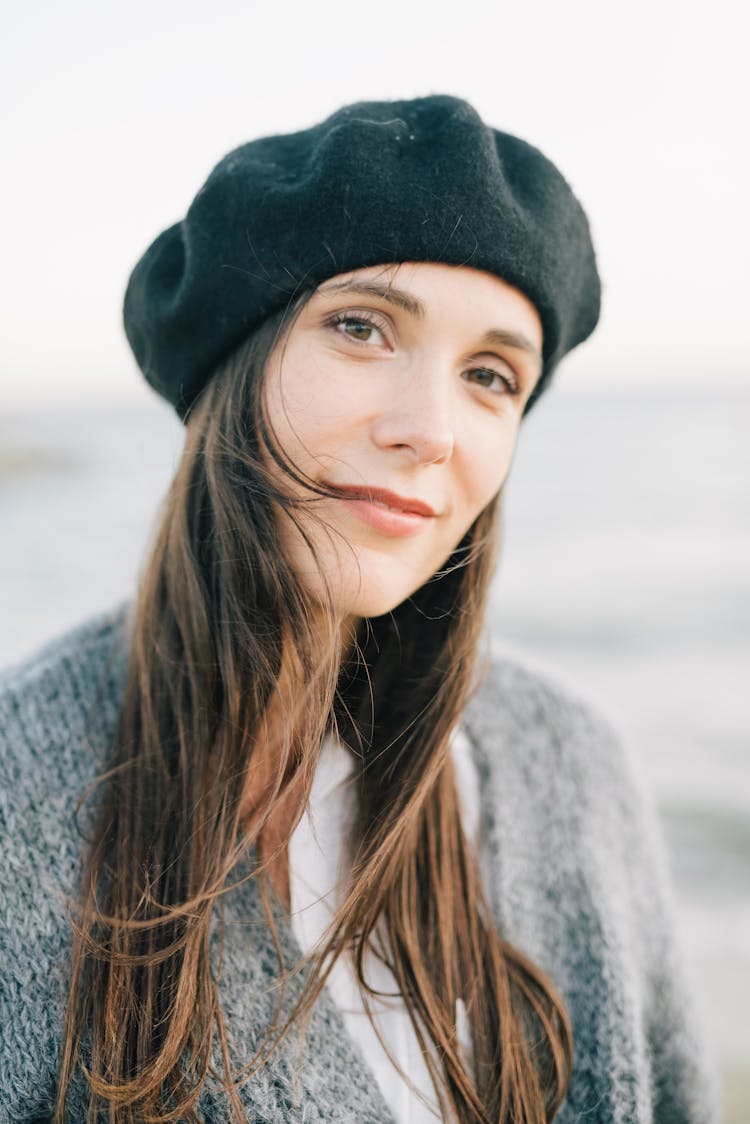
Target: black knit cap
{"type": "Point", "coordinates": [375, 183]}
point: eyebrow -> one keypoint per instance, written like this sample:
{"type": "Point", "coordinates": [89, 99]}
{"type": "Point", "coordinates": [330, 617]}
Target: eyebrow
{"type": "Point", "coordinates": [504, 337]}
{"type": "Point", "coordinates": [494, 337]}
{"type": "Point", "coordinates": [389, 293]}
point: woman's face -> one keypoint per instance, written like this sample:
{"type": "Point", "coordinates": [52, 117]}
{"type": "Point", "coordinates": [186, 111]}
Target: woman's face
{"type": "Point", "coordinates": [410, 378]}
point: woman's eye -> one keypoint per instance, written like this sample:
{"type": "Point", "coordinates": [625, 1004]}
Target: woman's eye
{"type": "Point", "coordinates": [493, 380]}
{"type": "Point", "coordinates": [357, 328]}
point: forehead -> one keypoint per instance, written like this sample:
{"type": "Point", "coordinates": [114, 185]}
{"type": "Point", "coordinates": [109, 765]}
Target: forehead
{"type": "Point", "coordinates": [423, 288]}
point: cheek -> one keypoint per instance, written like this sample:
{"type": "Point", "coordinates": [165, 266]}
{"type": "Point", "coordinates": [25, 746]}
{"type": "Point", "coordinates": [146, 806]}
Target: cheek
{"type": "Point", "coordinates": [308, 413]}
{"type": "Point", "coordinates": [488, 459]}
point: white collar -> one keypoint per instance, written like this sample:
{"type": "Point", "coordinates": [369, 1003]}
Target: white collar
{"type": "Point", "coordinates": [337, 767]}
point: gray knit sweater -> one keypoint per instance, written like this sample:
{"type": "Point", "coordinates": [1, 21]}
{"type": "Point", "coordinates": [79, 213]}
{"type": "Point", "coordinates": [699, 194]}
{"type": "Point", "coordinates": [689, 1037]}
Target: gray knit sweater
{"type": "Point", "coordinates": [577, 882]}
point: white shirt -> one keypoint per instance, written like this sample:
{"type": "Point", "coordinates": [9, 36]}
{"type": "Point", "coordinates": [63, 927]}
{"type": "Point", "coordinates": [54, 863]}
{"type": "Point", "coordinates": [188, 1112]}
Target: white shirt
{"type": "Point", "coordinates": [315, 871]}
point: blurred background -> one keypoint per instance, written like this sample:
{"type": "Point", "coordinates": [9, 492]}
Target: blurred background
{"type": "Point", "coordinates": [627, 532]}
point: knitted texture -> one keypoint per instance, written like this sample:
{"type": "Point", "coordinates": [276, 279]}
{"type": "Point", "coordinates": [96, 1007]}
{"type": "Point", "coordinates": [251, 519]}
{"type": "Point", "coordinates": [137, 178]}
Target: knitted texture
{"type": "Point", "coordinates": [577, 880]}
{"type": "Point", "coordinates": [375, 183]}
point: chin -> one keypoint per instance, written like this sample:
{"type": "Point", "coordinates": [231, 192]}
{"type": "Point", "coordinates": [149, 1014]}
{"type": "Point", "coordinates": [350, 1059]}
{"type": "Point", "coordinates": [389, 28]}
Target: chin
{"type": "Point", "coordinates": [372, 602]}
{"type": "Point", "coordinates": [361, 594]}
{"type": "Point", "coordinates": [362, 582]}
{"type": "Point", "coordinates": [376, 606]}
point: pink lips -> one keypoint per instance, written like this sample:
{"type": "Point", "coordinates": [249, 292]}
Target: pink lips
{"type": "Point", "coordinates": [402, 515]}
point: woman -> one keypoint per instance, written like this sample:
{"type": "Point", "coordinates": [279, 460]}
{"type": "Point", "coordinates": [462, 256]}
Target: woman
{"type": "Point", "coordinates": [329, 863]}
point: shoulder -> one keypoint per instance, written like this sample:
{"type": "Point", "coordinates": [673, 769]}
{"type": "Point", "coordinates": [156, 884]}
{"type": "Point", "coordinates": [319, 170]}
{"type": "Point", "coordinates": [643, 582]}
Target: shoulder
{"type": "Point", "coordinates": [65, 696]}
{"type": "Point", "coordinates": [58, 712]}
{"type": "Point", "coordinates": [86, 640]}
{"type": "Point", "coordinates": [512, 691]}
{"type": "Point", "coordinates": [551, 736]}
{"type": "Point", "coordinates": [565, 789]}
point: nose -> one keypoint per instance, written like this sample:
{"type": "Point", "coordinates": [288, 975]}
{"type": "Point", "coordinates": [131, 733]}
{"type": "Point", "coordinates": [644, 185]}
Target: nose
{"type": "Point", "coordinates": [416, 417]}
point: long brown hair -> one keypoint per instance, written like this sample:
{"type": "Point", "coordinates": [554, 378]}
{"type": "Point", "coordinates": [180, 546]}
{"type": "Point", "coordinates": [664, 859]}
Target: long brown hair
{"type": "Point", "coordinates": [223, 632]}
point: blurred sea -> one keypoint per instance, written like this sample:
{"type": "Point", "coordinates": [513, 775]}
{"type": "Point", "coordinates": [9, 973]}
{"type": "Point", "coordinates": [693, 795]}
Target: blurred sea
{"type": "Point", "coordinates": [625, 573]}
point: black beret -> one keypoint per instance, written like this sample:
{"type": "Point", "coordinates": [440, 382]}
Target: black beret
{"type": "Point", "coordinates": [375, 183]}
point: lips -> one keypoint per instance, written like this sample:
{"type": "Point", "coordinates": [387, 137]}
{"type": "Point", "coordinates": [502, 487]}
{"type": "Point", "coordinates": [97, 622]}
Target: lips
{"type": "Point", "coordinates": [385, 512]}
{"type": "Point", "coordinates": [385, 498]}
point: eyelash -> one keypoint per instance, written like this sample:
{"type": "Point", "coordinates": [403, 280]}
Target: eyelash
{"type": "Point", "coordinates": [352, 318]}
{"type": "Point", "coordinates": [371, 321]}
{"type": "Point", "coordinates": [510, 385]}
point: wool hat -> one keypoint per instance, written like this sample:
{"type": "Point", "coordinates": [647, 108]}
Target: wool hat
{"type": "Point", "coordinates": [373, 184]}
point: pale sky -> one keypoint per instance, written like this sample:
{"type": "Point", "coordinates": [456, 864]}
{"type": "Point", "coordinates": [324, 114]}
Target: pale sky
{"type": "Point", "coordinates": [115, 114]}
